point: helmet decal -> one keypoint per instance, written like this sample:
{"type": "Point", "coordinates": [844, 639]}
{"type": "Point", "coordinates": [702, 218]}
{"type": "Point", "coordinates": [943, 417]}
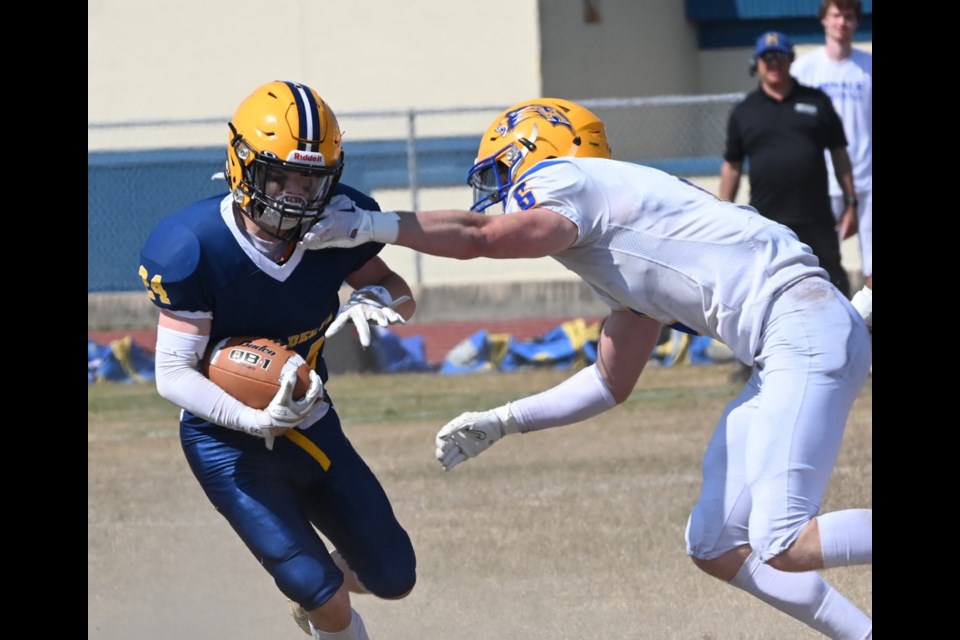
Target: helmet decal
{"type": "Point", "coordinates": [309, 117]}
{"type": "Point", "coordinates": [540, 111]}
{"type": "Point", "coordinates": [526, 134]}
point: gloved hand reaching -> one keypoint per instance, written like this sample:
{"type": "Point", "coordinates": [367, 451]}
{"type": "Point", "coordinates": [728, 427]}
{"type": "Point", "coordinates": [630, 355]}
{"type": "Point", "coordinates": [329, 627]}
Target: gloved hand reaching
{"type": "Point", "coordinates": [284, 412]}
{"type": "Point", "coordinates": [469, 434]}
{"type": "Point", "coordinates": [344, 225]}
{"type": "Point", "coordinates": [366, 305]}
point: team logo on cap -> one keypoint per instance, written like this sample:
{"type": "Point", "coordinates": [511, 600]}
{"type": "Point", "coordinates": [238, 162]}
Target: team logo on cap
{"type": "Point", "coordinates": [772, 39]}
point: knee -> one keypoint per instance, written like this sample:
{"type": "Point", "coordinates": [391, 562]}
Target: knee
{"type": "Point", "coordinates": [392, 582]}
{"type": "Point", "coordinates": [726, 566]}
{"type": "Point", "coordinates": [798, 557]}
{"type": "Point", "coordinates": [707, 566]}
{"type": "Point", "coordinates": [716, 567]}
{"type": "Point", "coordinates": [803, 554]}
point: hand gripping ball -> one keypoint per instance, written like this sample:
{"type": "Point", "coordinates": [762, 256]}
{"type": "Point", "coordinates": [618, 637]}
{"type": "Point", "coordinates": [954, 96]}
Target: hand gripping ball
{"type": "Point", "coordinates": [249, 369]}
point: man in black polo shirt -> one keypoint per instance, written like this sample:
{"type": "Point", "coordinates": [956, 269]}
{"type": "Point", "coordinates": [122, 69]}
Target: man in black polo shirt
{"type": "Point", "coordinates": [782, 129]}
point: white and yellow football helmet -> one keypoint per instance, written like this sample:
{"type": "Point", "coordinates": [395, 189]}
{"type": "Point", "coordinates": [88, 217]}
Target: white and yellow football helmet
{"type": "Point", "coordinates": [527, 133]}
{"type": "Point", "coordinates": [279, 130]}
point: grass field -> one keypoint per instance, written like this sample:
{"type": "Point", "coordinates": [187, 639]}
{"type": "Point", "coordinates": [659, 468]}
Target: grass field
{"type": "Point", "coordinates": [572, 533]}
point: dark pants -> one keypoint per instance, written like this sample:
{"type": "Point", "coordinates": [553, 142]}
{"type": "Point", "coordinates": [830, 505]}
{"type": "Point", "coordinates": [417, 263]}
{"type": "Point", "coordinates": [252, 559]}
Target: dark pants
{"type": "Point", "coordinates": [277, 500]}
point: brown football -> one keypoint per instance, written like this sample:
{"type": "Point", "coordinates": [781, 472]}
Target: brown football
{"type": "Point", "coordinates": [249, 369]}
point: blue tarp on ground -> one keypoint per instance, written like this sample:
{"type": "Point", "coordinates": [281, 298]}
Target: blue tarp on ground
{"type": "Point", "coordinates": [683, 348]}
{"type": "Point", "coordinates": [571, 345]}
{"type": "Point", "coordinates": [395, 354]}
{"type": "Point", "coordinates": [120, 361]}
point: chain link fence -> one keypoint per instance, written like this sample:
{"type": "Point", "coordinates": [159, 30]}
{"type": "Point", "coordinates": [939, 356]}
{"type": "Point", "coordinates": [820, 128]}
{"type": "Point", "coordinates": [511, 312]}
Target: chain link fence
{"type": "Point", "coordinates": [140, 171]}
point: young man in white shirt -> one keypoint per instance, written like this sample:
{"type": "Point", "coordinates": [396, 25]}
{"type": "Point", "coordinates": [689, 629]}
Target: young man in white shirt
{"type": "Point", "coordinates": [845, 73]}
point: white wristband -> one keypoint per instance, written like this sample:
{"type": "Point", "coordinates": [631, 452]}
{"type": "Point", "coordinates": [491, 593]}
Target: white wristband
{"type": "Point", "coordinates": [380, 293]}
{"type": "Point", "coordinates": [385, 226]}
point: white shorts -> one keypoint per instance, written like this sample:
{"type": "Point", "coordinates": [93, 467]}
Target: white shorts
{"type": "Point", "coordinates": [771, 455]}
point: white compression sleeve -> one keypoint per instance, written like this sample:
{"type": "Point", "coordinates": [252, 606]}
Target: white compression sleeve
{"type": "Point", "coordinates": [581, 396]}
{"type": "Point", "coordinates": [805, 596]}
{"type": "Point", "coordinates": [179, 381]}
{"type": "Point", "coordinates": [846, 537]}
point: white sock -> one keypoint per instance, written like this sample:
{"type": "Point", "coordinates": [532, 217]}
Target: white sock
{"type": "Point", "coordinates": [846, 537]}
{"type": "Point", "coordinates": [354, 631]}
{"type": "Point", "coordinates": [805, 596]}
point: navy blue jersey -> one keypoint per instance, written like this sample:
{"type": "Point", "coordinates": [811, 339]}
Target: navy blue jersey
{"type": "Point", "coordinates": [196, 260]}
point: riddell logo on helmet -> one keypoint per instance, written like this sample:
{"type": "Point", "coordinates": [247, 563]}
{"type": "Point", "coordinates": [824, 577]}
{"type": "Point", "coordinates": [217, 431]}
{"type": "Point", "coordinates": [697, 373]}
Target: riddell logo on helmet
{"type": "Point", "coordinates": [306, 156]}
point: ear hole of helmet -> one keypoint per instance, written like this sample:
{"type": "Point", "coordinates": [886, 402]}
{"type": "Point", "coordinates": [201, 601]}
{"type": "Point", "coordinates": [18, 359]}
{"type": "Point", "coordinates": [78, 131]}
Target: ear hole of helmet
{"type": "Point", "coordinates": [531, 147]}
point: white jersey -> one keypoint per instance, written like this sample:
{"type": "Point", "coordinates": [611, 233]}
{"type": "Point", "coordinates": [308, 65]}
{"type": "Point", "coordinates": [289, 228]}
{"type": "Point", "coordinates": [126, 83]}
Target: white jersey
{"type": "Point", "coordinates": [849, 83]}
{"type": "Point", "coordinates": [661, 246]}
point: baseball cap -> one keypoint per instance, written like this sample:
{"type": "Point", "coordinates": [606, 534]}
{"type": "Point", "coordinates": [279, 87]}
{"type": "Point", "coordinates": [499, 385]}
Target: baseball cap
{"type": "Point", "coordinates": [773, 41]}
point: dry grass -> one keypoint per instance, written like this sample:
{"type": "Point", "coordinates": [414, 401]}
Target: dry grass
{"type": "Point", "coordinates": [573, 533]}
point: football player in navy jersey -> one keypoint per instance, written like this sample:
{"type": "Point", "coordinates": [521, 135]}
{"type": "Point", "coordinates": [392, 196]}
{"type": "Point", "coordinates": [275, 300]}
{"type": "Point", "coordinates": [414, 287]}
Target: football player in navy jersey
{"type": "Point", "coordinates": [231, 266]}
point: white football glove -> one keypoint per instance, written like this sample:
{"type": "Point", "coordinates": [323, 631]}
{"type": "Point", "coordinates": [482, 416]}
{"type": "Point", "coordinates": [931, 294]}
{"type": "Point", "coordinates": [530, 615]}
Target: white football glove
{"type": "Point", "coordinates": [470, 433]}
{"type": "Point", "coordinates": [366, 305]}
{"type": "Point", "coordinates": [284, 412]}
{"type": "Point", "coordinates": [342, 227]}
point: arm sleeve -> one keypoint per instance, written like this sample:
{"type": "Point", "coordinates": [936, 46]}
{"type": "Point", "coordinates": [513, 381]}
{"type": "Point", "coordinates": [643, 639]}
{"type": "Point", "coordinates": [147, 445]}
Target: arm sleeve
{"type": "Point", "coordinates": [579, 397]}
{"type": "Point", "coordinates": [179, 381]}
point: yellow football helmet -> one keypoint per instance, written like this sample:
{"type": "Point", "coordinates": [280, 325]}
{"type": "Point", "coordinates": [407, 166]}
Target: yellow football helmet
{"type": "Point", "coordinates": [283, 133]}
{"type": "Point", "coordinates": [527, 133]}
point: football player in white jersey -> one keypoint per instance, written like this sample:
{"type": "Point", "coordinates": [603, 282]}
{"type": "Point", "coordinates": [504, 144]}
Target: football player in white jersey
{"type": "Point", "coordinates": [845, 73]}
{"type": "Point", "coordinates": [660, 251]}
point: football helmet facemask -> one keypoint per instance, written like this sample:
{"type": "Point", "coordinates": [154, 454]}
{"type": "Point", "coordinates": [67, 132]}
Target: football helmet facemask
{"type": "Point", "coordinates": [527, 133]}
{"type": "Point", "coordinates": [284, 158]}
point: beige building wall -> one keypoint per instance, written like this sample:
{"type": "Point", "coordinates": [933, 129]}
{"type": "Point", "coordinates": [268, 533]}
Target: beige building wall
{"type": "Point", "coordinates": [198, 59]}
{"type": "Point", "coordinates": [633, 49]}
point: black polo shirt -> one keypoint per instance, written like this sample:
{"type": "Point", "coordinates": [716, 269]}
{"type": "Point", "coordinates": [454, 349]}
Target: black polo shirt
{"type": "Point", "coordinates": [784, 143]}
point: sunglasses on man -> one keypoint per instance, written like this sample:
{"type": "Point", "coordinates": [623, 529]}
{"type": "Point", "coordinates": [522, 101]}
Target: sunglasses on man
{"type": "Point", "coordinates": [772, 56]}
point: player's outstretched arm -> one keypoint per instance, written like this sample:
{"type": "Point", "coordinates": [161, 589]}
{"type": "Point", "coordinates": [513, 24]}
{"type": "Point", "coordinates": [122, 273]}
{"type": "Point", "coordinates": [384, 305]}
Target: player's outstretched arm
{"type": "Point", "coordinates": [448, 233]}
{"type": "Point", "coordinates": [626, 342]}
